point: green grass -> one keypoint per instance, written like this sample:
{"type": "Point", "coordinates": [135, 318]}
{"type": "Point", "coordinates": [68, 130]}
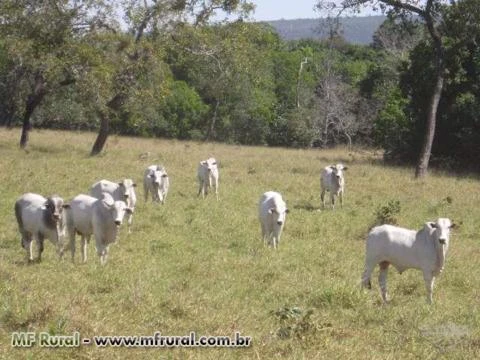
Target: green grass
{"type": "Point", "coordinates": [195, 265]}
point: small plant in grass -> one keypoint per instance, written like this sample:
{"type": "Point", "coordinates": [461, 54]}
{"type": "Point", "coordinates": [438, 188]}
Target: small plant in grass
{"type": "Point", "coordinates": [294, 321]}
{"type": "Point", "coordinates": [387, 214]}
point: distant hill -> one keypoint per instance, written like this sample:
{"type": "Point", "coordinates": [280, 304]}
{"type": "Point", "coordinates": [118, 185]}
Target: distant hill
{"type": "Point", "coordinates": [356, 30]}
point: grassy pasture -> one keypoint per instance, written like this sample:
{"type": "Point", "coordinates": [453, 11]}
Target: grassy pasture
{"type": "Point", "coordinates": [195, 265]}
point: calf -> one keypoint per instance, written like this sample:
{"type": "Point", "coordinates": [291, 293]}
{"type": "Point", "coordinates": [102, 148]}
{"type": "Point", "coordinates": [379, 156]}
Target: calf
{"type": "Point", "coordinates": [425, 250]}
{"type": "Point", "coordinates": [332, 180]}
{"type": "Point", "coordinates": [207, 174]}
{"type": "Point", "coordinates": [156, 183]}
{"type": "Point", "coordinates": [40, 218]}
{"type": "Point", "coordinates": [272, 212]}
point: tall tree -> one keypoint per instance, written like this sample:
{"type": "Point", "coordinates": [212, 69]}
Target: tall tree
{"type": "Point", "coordinates": [429, 11]}
{"type": "Point", "coordinates": [155, 18]}
{"type": "Point", "coordinates": [40, 38]}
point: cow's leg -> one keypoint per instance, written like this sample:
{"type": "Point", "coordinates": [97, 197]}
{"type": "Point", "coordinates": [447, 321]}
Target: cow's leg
{"type": "Point", "coordinates": [382, 279]}
{"type": "Point", "coordinates": [145, 192]}
{"type": "Point", "coordinates": [340, 196]}
{"type": "Point", "coordinates": [367, 273]}
{"type": "Point", "coordinates": [332, 199]}
{"type": "Point", "coordinates": [28, 245]}
{"type": "Point", "coordinates": [429, 280]}
{"type": "Point", "coordinates": [85, 241]}
{"type": "Point", "coordinates": [322, 197]}
{"type": "Point", "coordinates": [40, 241]}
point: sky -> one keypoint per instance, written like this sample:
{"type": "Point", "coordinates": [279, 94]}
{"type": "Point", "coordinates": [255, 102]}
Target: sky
{"type": "Point", "coordinates": [289, 9]}
{"type": "Point", "coordinates": [284, 9]}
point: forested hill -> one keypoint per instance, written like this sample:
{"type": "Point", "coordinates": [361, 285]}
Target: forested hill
{"type": "Point", "coordinates": [356, 30]}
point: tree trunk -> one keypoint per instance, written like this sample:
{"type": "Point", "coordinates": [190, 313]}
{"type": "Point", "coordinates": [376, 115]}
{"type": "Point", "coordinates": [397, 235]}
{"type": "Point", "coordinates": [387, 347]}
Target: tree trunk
{"type": "Point", "coordinates": [114, 104]}
{"type": "Point", "coordinates": [211, 128]}
{"type": "Point", "coordinates": [102, 134]}
{"type": "Point", "coordinates": [33, 101]}
{"type": "Point", "coordinates": [424, 158]}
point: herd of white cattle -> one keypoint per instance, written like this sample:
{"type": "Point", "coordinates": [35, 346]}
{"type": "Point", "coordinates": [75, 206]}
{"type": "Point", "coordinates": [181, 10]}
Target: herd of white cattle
{"type": "Point", "coordinates": [103, 211]}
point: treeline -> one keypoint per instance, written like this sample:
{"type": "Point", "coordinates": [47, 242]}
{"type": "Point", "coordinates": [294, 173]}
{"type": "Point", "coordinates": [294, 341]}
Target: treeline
{"type": "Point", "coordinates": [73, 68]}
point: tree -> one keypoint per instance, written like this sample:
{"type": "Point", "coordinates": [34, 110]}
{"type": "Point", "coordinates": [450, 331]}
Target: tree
{"type": "Point", "coordinates": [40, 38]}
{"type": "Point", "coordinates": [429, 12]}
{"type": "Point", "coordinates": [157, 18]}
{"type": "Point", "coordinates": [230, 67]}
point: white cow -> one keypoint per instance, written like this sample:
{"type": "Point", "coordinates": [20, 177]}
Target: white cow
{"type": "Point", "coordinates": [207, 175]}
{"type": "Point", "coordinates": [121, 191]}
{"type": "Point", "coordinates": [101, 217]}
{"type": "Point", "coordinates": [156, 182]}
{"type": "Point", "coordinates": [332, 180]}
{"type": "Point", "coordinates": [272, 212]}
{"type": "Point", "coordinates": [40, 218]}
{"type": "Point", "coordinates": [404, 249]}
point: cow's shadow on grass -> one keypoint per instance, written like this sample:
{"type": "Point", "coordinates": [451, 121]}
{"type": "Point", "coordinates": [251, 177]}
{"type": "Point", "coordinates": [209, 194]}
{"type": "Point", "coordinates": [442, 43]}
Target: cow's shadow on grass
{"type": "Point", "coordinates": [306, 205]}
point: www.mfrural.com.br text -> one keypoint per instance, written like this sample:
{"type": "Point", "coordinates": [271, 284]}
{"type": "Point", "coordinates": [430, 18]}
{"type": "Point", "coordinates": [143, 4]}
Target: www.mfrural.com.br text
{"type": "Point", "coordinates": [157, 340]}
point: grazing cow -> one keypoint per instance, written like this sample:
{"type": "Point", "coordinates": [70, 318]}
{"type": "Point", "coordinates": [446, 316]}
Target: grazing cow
{"type": "Point", "coordinates": [156, 183]}
{"type": "Point", "coordinates": [101, 217]}
{"type": "Point", "coordinates": [272, 212]}
{"type": "Point", "coordinates": [40, 218]}
{"type": "Point", "coordinates": [404, 249]}
{"type": "Point", "coordinates": [207, 175]}
{"type": "Point", "coordinates": [332, 180]}
{"type": "Point", "coordinates": [121, 191]}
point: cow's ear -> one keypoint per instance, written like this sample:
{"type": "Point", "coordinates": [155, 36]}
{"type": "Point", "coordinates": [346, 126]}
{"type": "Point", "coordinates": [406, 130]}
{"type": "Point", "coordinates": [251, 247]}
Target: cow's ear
{"type": "Point", "coordinates": [453, 225]}
{"type": "Point", "coordinates": [134, 184]}
{"type": "Point", "coordinates": [164, 175]}
{"type": "Point", "coordinates": [271, 210]}
{"type": "Point", "coordinates": [150, 176]}
{"type": "Point", "coordinates": [120, 183]}
{"type": "Point", "coordinates": [432, 224]}
{"type": "Point", "coordinates": [66, 206]}
{"type": "Point", "coordinates": [345, 167]}
{"type": "Point", "coordinates": [129, 210]}
{"type": "Point", "coordinates": [333, 167]}
{"type": "Point", "coordinates": [287, 211]}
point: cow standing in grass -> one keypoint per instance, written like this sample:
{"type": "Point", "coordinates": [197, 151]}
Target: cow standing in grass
{"type": "Point", "coordinates": [425, 250]}
{"type": "Point", "coordinates": [272, 212]}
{"type": "Point", "coordinates": [101, 217]}
{"type": "Point", "coordinates": [207, 175]}
{"type": "Point", "coordinates": [39, 218]}
{"type": "Point", "coordinates": [333, 181]}
{"type": "Point", "coordinates": [156, 183]}
{"type": "Point", "coordinates": [121, 191]}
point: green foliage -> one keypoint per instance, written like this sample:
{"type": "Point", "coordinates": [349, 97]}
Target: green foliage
{"type": "Point", "coordinates": [393, 127]}
{"type": "Point", "coordinates": [387, 214]}
{"type": "Point", "coordinates": [294, 322]}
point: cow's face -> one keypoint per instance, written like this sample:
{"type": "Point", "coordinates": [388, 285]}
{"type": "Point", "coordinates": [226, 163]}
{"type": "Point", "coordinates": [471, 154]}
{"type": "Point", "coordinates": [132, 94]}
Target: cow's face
{"type": "Point", "coordinates": [210, 164]}
{"type": "Point", "coordinates": [441, 230]}
{"type": "Point", "coordinates": [337, 173]}
{"type": "Point", "coordinates": [279, 214]}
{"type": "Point", "coordinates": [116, 209]}
{"type": "Point", "coordinates": [126, 187]}
{"type": "Point", "coordinates": [54, 206]}
{"type": "Point", "coordinates": [158, 176]}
